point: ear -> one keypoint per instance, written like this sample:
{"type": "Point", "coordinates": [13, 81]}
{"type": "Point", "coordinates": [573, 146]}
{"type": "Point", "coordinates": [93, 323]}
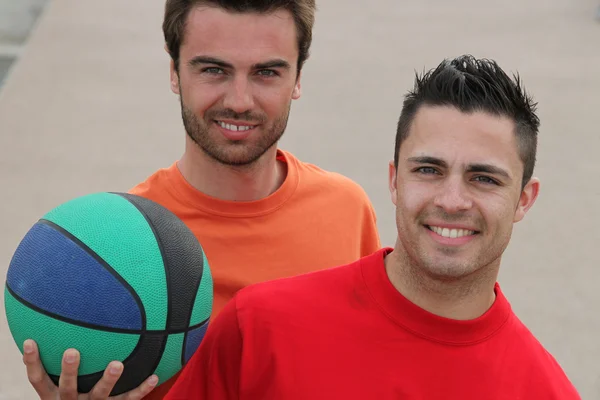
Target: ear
{"type": "Point", "coordinates": [528, 196]}
{"type": "Point", "coordinates": [174, 79]}
{"type": "Point", "coordinates": [392, 182]}
{"type": "Point", "coordinates": [297, 88]}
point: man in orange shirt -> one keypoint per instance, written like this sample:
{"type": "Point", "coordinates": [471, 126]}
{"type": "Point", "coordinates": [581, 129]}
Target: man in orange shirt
{"type": "Point", "coordinates": [259, 213]}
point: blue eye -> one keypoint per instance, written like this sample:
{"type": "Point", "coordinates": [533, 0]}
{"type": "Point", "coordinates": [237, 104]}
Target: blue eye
{"type": "Point", "coordinates": [213, 70]}
{"type": "Point", "coordinates": [267, 72]}
{"type": "Point", "coordinates": [427, 170]}
{"type": "Point", "coordinates": [486, 179]}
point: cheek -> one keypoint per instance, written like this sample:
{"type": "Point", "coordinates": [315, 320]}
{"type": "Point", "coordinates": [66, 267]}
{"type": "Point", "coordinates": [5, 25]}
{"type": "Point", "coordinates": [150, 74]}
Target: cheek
{"type": "Point", "coordinates": [499, 211]}
{"type": "Point", "coordinates": [412, 198]}
{"type": "Point", "coordinates": [270, 103]}
{"type": "Point", "coordinates": [198, 96]}
{"type": "Point", "coordinates": [272, 100]}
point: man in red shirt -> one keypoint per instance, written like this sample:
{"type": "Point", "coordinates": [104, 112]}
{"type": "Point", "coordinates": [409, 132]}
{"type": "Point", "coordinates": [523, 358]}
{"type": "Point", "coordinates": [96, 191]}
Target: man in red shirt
{"type": "Point", "coordinates": [426, 319]}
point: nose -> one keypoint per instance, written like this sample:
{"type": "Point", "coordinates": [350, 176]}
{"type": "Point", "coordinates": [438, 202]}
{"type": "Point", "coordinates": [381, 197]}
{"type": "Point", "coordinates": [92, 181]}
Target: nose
{"type": "Point", "coordinates": [238, 96]}
{"type": "Point", "coordinates": [453, 196]}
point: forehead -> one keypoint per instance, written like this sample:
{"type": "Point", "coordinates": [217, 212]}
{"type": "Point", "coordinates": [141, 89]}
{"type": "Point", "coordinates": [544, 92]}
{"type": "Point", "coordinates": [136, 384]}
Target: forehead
{"type": "Point", "coordinates": [240, 37]}
{"type": "Point", "coordinates": [477, 137]}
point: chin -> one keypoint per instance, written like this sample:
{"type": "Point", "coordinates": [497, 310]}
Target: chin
{"type": "Point", "coordinates": [241, 156]}
{"type": "Point", "coordinates": [445, 270]}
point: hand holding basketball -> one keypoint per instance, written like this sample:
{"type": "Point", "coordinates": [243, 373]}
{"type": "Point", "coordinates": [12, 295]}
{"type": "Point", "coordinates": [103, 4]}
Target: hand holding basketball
{"type": "Point", "coordinates": [67, 389]}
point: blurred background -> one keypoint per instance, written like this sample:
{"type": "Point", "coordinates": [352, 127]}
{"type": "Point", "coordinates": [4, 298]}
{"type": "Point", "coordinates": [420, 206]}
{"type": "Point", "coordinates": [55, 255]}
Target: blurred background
{"type": "Point", "coordinates": [17, 18]}
{"type": "Point", "coordinates": [85, 106]}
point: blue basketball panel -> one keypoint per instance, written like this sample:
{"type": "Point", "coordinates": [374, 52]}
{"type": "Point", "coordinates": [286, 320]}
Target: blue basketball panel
{"type": "Point", "coordinates": [193, 339]}
{"type": "Point", "coordinates": [55, 274]}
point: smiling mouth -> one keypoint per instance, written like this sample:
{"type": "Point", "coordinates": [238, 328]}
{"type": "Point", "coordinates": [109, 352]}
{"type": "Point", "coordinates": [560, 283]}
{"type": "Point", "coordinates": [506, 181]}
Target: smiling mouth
{"type": "Point", "coordinates": [451, 233]}
{"type": "Point", "coordinates": [235, 128]}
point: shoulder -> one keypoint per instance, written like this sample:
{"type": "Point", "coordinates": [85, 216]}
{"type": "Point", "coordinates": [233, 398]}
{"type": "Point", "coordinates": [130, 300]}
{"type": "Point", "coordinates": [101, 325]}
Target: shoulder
{"type": "Point", "coordinates": [153, 187]}
{"type": "Point", "coordinates": [314, 178]}
{"type": "Point", "coordinates": [548, 374]}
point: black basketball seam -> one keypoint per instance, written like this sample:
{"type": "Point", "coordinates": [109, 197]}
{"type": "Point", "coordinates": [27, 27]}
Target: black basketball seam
{"type": "Point", "coordinates": [162, 255]}
{"type": "Point", "coordinates": [92, 326]}
{"type": "Point", "coordinates": [101, 261]}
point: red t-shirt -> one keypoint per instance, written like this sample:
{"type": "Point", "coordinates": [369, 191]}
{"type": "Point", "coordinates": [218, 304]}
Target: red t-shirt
{"type": "Point", "coordinates": [347, 333]}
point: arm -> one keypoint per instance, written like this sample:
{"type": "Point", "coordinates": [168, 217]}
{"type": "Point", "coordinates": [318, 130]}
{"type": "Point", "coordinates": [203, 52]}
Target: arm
{"type": "Point", "coordinates": [213, 372]}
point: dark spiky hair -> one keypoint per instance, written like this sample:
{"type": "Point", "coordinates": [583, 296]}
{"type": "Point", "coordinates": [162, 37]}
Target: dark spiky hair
{"type": "Point", "coordinates": [471, 85]}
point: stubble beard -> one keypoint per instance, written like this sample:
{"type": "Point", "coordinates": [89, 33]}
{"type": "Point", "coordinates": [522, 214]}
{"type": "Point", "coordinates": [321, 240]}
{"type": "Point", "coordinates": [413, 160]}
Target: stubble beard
{"type": "Point", "coordinates": [444, 264]}
{"type": "Point", "coordinates": [233, 153]}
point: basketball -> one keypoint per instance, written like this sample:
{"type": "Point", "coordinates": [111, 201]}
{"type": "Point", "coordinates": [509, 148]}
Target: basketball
{"type": "Point", "coordinates": [117, 277]}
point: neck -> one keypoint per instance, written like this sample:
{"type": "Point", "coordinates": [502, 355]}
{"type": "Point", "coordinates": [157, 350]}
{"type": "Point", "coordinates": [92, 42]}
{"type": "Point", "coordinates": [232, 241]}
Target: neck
{"type": "Point", "coordinates": [463, 298]}
{"type": "Point", "coordinates": [228, 182]}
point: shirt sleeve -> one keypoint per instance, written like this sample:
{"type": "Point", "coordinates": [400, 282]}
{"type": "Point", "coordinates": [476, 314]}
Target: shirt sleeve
{"type": "Point", "coordinates": [213, 372]}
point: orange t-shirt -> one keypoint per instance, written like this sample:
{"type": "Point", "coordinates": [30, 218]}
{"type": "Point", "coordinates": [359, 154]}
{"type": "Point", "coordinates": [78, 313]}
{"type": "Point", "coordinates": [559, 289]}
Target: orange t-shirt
{"type": "Point", "coordinates": [315, 220]}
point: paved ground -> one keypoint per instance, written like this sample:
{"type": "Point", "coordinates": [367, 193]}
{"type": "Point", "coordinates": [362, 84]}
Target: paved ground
{"type": "Point", "coordinates": [88, 108]}
{"type": "Point", "coordinates": [17, 18]}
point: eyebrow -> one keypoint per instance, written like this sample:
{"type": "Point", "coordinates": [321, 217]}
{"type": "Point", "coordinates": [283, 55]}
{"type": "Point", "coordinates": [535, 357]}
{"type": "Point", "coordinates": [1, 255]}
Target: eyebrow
{"type": "Point", "coordinates": [479, 167]}
{"type": "Point", "coordinates": [489, 169]}
{"type": "Point", "coordinates": [275, 63]}
{"type": "Point", "coordinates": [428, 160]}
{"type": "Point", "coordinates": [198, 60]}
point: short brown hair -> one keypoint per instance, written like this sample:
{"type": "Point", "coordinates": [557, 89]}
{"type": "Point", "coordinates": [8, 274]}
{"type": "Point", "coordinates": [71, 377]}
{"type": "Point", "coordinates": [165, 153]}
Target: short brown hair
{"type": "Point", "coordinates": [177, 11]}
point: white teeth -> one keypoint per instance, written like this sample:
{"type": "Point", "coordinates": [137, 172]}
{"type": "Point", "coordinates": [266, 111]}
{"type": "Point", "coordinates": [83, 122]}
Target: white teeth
{"type": "Point", "coordinates": [451, 233]}
{"type": "Point", "coordinates": [234, 128]}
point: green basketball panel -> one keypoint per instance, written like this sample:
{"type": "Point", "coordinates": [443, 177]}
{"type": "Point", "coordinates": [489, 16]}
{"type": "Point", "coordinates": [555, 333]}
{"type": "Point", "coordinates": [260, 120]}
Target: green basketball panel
{"type": "Point", "coordinates": [170, 363]}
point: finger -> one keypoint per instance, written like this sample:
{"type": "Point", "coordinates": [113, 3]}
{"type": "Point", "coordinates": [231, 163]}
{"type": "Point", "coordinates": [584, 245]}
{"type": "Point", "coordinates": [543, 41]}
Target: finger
{"type": "Point", "coordinates": [67, 383]}
{"type": "Point", "coordinates": [146, 387]}
{"type": "Point", "coordinates": [105, 385]}
{"type": "Point", "coordinates": [36, 373]}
